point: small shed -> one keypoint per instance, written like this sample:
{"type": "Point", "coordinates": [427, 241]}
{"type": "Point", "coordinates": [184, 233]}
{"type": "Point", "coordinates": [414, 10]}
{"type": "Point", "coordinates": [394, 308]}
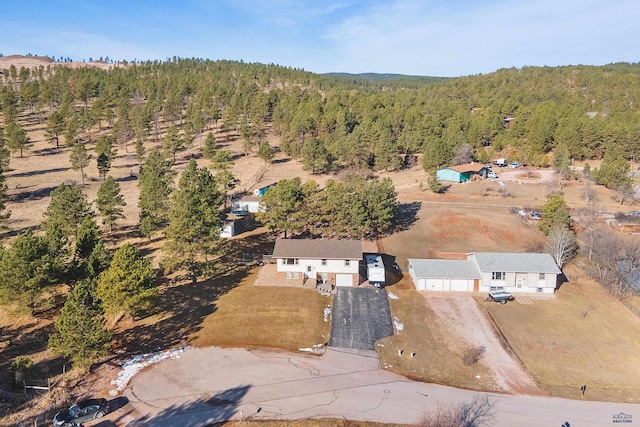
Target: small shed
{"type": "Point", "coordinates": [461, 173]}
{"type": "Point", "coordinates": [228, 228]}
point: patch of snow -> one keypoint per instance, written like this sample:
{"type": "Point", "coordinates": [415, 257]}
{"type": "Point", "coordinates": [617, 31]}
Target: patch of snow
{"type": "Point", "coordinates": [392, 295]}
{"type": "Point", "coordinates": [136, 363]}
{"type": "Point", "coordinates": [327, 312]}
{"type": "Point", "coordinates": [396, 322]}
{"type": "Point", "coordinates": [317, 348]}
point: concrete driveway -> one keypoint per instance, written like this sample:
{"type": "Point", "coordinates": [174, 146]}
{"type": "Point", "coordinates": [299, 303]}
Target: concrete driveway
{"type": "Point", "coordinates": [207, 385]}
{"type": "Point", "coordinates": [360, 317]}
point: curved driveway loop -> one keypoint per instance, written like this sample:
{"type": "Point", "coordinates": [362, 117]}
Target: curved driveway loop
{"type": "Point", "coordinates": [208, 385]}
{"type": "Point", "coordinates": [360, 317]}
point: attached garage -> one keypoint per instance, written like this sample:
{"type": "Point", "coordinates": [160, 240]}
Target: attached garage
{"type": "Point", "coordinates": [433, 284]}
{"type": "Point", "coordinates": [462, 285]}
{"type": "Point", "coordinates": [444, 275]}
{"type": "Point", "coordinates": [344, 280]}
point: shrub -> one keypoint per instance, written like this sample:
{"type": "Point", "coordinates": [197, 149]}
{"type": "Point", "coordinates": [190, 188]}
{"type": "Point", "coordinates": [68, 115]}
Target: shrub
{"type": "Point", "coordinates": [473, 355]}
{"type": "Point", "coordinates": [24, 363]}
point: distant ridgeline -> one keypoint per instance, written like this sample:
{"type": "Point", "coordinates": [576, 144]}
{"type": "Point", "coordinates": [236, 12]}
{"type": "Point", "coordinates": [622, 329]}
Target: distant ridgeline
{"type": "Point", "coordinates": [337, 120]}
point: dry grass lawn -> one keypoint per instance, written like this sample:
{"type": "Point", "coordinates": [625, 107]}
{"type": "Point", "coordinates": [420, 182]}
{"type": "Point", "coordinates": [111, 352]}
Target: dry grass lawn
{"type": "Point", "coordinates": [584, 337]}
{"type": "Point", "coordinates": [442, 228]}
{"type": "Point", "coordinates": [265, 316]}
{"type": "Point", "coordinates": [436, 360]}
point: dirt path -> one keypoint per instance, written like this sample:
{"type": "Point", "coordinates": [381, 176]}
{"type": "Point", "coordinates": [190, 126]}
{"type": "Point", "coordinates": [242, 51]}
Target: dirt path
{"type": "Point", "coordinates": [468, 327]}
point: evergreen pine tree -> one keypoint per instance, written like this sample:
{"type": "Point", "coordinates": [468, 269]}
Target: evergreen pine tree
{"type": "Point", "coordinates": [193, 232]}
{"type": "Point", "coordinates": [79, 334]}
{"type": "Point", "coordinates": [110, 202]}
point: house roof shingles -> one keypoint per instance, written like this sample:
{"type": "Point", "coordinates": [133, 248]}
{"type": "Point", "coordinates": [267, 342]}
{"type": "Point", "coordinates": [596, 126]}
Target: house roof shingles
{"type": "Point", "coordinates": [516, 262]}
{"type": "Point", "coordinates": [318, 249]}
{"type": "Point", "coordinates": [445, 268]}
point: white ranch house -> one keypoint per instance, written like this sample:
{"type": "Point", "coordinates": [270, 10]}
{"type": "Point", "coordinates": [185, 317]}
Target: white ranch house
{"type": "Point", "coordinates": [329, 261]}
{"type": "Point", "coordinates": [487, 271]}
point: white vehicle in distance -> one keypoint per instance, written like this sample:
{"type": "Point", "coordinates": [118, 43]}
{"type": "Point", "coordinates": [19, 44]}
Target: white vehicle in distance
{"type": "Point", "coordinates": [492, 174]}
{"type": "Point", "coordinates": [514, 165]}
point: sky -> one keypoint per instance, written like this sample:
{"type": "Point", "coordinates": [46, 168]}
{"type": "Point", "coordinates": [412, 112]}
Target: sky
{"type": "Point", "coordinates": [447, 38]}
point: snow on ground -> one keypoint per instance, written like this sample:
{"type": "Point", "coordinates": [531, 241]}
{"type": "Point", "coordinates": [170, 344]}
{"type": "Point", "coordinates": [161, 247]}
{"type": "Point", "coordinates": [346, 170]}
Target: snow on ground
{"type": "Point", "coordinates": [136, 363]}
{"type": "Point", "coordinates": [392, 295]}
{"type": "Point", "coordinates": [399, 326]}
{"type": "Point", "coordinates": [327, 312]}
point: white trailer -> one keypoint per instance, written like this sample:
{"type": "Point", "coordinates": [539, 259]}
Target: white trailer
{"type": "Point", "coordinates": [375, 270]}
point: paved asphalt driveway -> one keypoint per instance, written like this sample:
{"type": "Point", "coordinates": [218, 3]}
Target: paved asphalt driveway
{"type": "Point", "coordinates": [360, 317]}
{"type": "Point", "coordinates": [207, 385]}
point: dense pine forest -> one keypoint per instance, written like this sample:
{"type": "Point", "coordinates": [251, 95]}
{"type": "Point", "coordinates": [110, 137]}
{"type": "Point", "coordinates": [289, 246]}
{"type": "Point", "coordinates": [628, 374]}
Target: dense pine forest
{"type": "Point", "coordinates": [352, 123]}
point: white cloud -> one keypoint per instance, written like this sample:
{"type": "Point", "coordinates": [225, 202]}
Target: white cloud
{"type": "Point", "coordinates": [417, 37]}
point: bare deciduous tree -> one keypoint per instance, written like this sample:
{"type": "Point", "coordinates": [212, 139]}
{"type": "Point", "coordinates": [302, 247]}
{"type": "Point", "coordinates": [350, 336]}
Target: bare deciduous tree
{"type": "Point", "coordinates": [561, 244]}
{"type": "Point", "coordinates": [464, 154]}
{"type": "Point", "coordinates": [588, 192]}
{"type": "Point", "coordinates": [475, 413]}
{"type": "Point", "coordinates": [588, 218]}
{"type": "Point", "coordinates": [617, 258]}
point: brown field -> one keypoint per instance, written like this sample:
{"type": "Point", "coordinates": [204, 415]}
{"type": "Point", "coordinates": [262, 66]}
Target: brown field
{"type": "Point", "coordinates": [584, 337]}
{"type": "Point", "coordinates": [459, 228]}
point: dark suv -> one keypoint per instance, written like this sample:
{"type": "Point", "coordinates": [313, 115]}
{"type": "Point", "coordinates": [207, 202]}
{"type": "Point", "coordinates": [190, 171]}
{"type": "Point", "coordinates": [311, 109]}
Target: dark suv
{"type": "Point", "coordinates": [85, 410]}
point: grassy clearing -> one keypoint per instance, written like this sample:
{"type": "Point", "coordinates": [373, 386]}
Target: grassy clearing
{"type": "Point", "coordinates": [461, 229]}
{"type": "Point", "coordinates": [584, 337]}
{"type": "Point", "coordinates": [435, 359]}
{"type": "Point", "coordinates": [282, 317]}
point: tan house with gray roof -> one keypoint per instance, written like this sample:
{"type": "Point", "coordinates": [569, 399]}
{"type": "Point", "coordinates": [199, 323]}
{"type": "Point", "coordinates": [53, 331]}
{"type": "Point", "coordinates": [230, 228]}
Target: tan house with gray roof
{"type": "Point", "coordinates": [329, 261]}
{"type": "Point", "coordinates": [487, 271]}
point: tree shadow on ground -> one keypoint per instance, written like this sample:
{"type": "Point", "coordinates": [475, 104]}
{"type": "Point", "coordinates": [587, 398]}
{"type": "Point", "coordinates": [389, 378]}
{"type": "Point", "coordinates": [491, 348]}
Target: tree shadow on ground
{"type": "Point", "coordinates": [31, 195]}
{"type": "Point", "coordinates": [406, 216]}
{"type": "Point", "coordinates": [182, 307]}
{"type": "Point", "coordinates": [27, 341]}
{"type": "Point", "coordinates": [218, 408]}
{"type": "Point", "coordinates": [280, 161]}
{"type": "Point", "coordinates": [12, 232]}
{"type": "Point", "coordinates": [37, 172]}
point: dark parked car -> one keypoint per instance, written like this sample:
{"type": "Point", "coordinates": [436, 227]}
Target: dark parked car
{"type": "Point", "coordinates": [499, 296]}
{"type": "Point", "coordinates": [85, 410]}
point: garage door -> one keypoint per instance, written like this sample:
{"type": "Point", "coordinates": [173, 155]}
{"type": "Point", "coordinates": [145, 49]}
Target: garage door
{"type": "Point", "coordinates": [344, 280]}
{"type": "Point", "coordinates": [434, 285]}
{"type": "Point", "coordinates": [461, 285]}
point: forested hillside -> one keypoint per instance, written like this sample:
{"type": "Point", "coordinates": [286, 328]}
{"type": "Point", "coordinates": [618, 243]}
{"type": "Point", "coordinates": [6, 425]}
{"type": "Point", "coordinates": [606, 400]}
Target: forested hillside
{"type": "Point", "coordinates": [352, 124]}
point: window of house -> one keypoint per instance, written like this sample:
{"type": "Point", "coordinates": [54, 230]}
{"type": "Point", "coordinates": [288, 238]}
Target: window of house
{"type": "Point", "coordinates": [539, 290]}
{"type": "Point", "coordinates": [290, 261]}
{"type": "Point", "coordinates": [347, 263]}
{"type": "Point", "coordinates": [541, 276]}
{"type": "Point", "coordinates": [498, 275]}
{"type": "Point", "coordinates": [324, 262]}
{"type": "Point", "coordinates": [308, 268]}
